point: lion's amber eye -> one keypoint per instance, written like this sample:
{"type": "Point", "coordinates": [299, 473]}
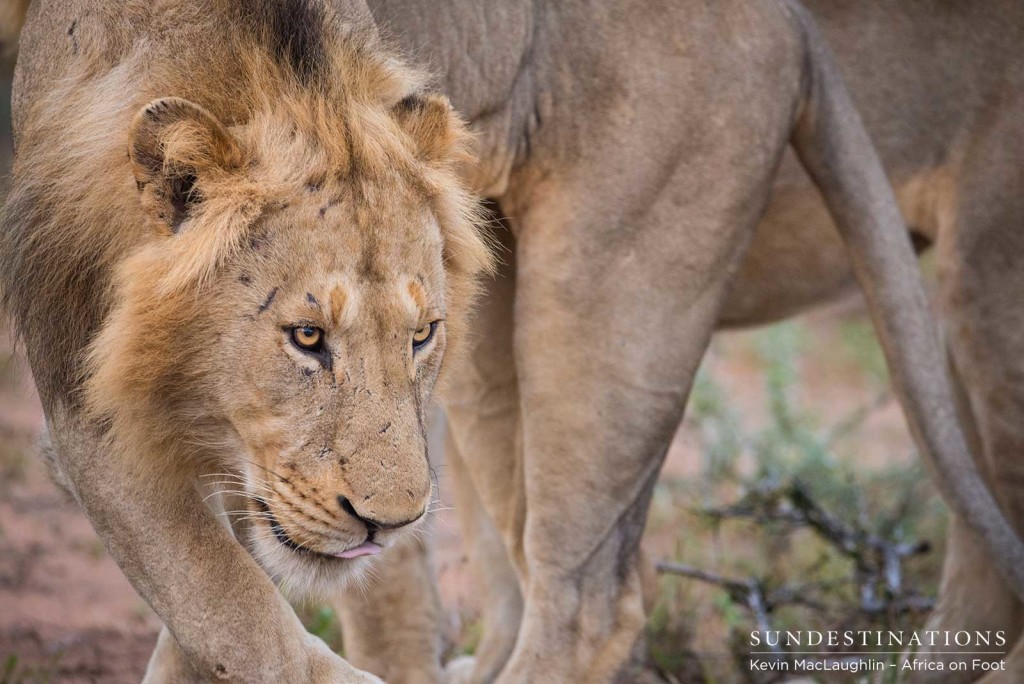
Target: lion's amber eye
{"type": "Point", "coordinates": [423, 335]}
{"type": "Point", "coordinates": [307, 337]}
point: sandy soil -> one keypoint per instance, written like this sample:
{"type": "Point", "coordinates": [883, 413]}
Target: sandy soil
{"type": "Point", "coordinates": [66, 612]}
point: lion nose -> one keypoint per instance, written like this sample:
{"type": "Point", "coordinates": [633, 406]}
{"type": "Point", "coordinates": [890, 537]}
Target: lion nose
{"type": "Point", "coordinates": [370, 523]}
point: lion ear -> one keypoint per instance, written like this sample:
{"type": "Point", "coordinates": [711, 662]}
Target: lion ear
{"type": "Point", "coordinates": [174, 146]}
{"type": "Point", "coordinates": [431, 122]}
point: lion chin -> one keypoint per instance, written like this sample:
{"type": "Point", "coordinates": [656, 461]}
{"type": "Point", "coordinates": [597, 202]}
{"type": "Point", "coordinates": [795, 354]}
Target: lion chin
{"type": "Point", "coordinates": [305, 574]}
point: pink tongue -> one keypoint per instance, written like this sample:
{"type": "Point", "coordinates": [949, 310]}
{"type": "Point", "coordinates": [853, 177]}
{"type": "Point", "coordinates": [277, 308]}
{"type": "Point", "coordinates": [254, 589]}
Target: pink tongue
{"type": "Point", "coordinates": [364, 549]}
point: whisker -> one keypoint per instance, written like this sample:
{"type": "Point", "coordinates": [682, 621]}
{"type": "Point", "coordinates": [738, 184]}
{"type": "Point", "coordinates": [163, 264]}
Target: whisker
{"type": "Point", "coordinates": [443, 522]}
{"type": "Point", "coordinates": [249, 518]}
{"type": "Point", "coordinates": [265, 469]}
{"type": "Point", "coordinates": [233, 492]}
{"type": "Point", "coordinates": [246, 515]}
{"type": "Point", "coordinates": [234, 477]}
{"type": "Point", "coordinates": [230, 482]}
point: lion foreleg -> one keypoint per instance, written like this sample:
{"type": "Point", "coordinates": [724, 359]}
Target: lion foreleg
{"type": "Point", "coordinates": [225, 614]}
{"type": "Point", "coordinates": [168, 663]}
{"type": "Point", "coordinates": [482, 459]}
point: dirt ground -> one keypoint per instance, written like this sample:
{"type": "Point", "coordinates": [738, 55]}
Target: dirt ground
{"type": "Point", "coordinates": [66, 611]}
{"type": "Point", "coordinates": [67, 614]}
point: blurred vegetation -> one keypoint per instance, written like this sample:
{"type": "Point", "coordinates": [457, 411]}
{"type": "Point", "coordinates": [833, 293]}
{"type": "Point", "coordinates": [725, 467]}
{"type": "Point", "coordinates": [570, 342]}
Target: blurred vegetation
{"type": "Point", "coordinates": [783, 526]}
{"type": "Point", "coordinates": [322, 621]}
{"type": "Point", "coordinates": [14, 672]}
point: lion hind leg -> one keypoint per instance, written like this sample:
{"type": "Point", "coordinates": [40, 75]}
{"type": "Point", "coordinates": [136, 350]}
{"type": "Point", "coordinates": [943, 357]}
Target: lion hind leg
{"type": "Point", "coordinates": [607, 345]}
{"type": "Point", "coordinates": [483, 459]}
{"type": "Point", "coordinates": [502, 608]}
{"type": "Point", "coordinates": [972, 596]}
{"type": "Point", "coordinates": [979, 257]}
{"type": "Point", "coordinates": [834, 147]}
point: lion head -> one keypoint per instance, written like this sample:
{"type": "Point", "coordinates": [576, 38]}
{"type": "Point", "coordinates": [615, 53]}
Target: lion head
{"type": "Point", "coordinates": [307, 272]}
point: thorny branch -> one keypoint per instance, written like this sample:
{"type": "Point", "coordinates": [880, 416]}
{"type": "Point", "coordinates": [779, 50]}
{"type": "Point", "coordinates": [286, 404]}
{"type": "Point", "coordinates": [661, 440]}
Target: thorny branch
{"type": "Point", "coordinates": [877, 562]}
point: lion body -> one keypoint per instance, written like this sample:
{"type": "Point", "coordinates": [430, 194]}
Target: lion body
{"type": "Point", "coordinates": [644, 204]}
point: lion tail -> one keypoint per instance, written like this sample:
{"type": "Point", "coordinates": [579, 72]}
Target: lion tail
{"type": "Point", "coordinates": [12, 18]}
{"type": "Point", "coordinates": [834, 147]}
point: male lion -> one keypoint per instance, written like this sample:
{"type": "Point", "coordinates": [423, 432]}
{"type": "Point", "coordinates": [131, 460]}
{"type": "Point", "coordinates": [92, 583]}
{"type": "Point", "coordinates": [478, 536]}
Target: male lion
{"type": "Point", "coordinates": [238, 254]}
{"type": "Point", "coordinates": [632, 145]}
